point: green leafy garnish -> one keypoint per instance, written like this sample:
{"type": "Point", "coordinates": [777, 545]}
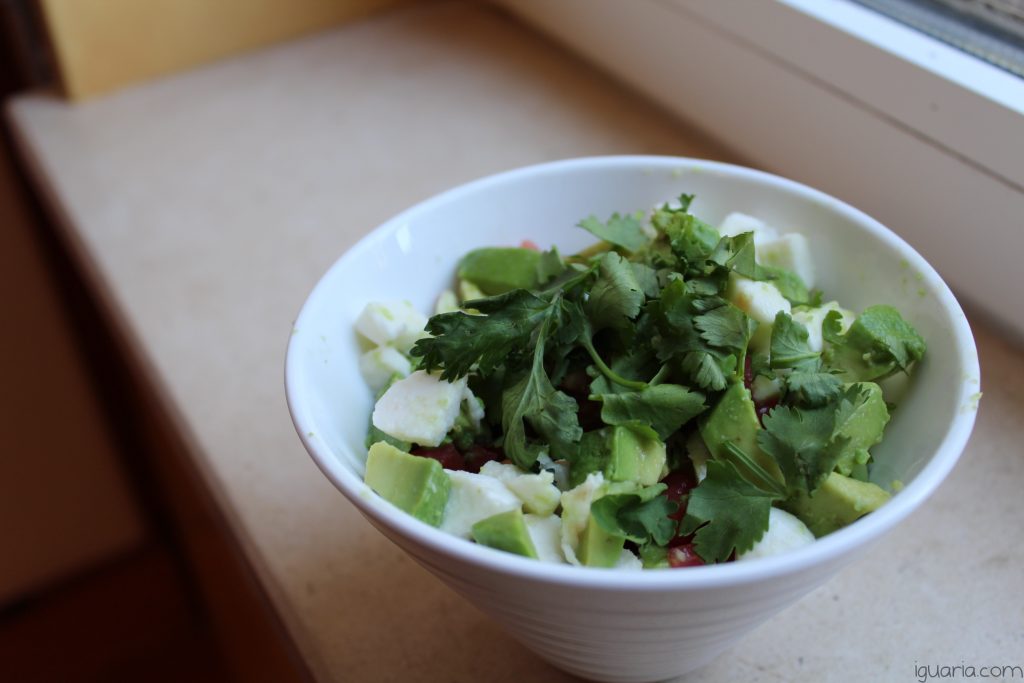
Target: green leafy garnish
{"type": "Point", "coordinates": [622, 231]}
{"type": "Point", "coordinates": [728, 513]}
{"type": "Point", "coordinates": [665, 407]}
{"type": "Point", "coordinates": [789, 345]}
{"type": "Point", "coordinates": [639, 517]}
{"type": "Point", "coordinates": [878, 344]}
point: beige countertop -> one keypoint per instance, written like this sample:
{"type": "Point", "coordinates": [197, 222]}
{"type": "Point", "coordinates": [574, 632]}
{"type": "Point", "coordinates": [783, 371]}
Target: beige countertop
{"type": "Point", "coordinates": [206, 205]}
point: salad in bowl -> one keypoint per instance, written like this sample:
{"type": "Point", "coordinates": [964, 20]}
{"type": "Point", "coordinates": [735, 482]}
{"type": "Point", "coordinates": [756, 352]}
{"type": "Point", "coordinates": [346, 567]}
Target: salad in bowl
{"type": "Point", "coordinates": [734, 393]}
{"type": "Point", "coordinates": [673, 395]}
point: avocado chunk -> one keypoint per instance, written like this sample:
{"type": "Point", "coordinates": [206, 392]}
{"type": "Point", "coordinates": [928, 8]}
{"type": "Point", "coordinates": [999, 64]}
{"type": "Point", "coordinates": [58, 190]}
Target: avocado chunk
{"type": "Point", "coordinates": [598, 547]}
{"type": "Point", "coordinates": [506, 531]}
{"type": "Point", "coordinates": [636, 456]}
{"type": "Point", "coordinates": [412, 483]}
{"type": "Point", "coordinates": [734, 420]}
{"type": "Point", "coordinates": [496, 270]}
{"type": "Point", "coordinates": [839, 501]}
{"type": "Point", "coordinates": [863, 424]}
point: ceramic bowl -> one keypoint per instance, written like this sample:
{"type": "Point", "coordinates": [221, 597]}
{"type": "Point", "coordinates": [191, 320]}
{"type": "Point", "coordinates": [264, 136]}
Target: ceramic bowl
{"type": "Point", "coordinates": [619, 625]}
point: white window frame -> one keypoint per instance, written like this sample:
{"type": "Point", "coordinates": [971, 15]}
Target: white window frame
{"type": "Point", "coordinates": [924, 137]}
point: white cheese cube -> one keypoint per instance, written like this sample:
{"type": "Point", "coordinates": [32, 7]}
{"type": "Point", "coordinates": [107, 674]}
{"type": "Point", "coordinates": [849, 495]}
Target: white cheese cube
{"type": "Point", "coordinates": [812, 319]}
{"type": "Point", "coordinates": [760, 300]}
{"type": "Point", "coordinates": [379, 365]}
{"type": "Point", "coordinates": [790, 251]}
{"type": "Point", "coordinates": [537, 491]}
{"type": "Point", "coordinates": [546, 534]}
{"type": "Point", "coordinates": [629, 561]}
{"type": "Point", "coordinates": [785, 532]}
{"type": "Point", "coordinates": [576, 512]}
{"type": "Point", "coordinates": [474, 407]}
{"type": "Point", "coordinates": [737, 223]}
{"type": "Point", "coordinates": [763, 388]}
{"type": "Point", "coordinates": [474, 497]}
{"type": "Point", "coordinates": [393, 323]}
{"type": "Point", "coordinates": [420, 408]}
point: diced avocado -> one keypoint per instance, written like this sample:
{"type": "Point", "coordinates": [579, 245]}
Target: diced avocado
{"type": "Point", "coordinates": [412, 483]}
{"type": "Point", "coordinates": [635, 456]}
{"type": "Point", "coordinates": [839, 501]}
{"type": "Point", "coordinates": [863, 425]}
{"type": "Point", "coordinates": [500, 269]}
{"type": "Point", "coordinates": [734, 420]}
{"type": "Point", "coordinates": [599, 548]}
{"type": "Point", "coordinates": [506, 531]}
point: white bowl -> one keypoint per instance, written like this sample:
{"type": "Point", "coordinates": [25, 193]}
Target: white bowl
{"type": "Point", "coordinates": [605, 624]}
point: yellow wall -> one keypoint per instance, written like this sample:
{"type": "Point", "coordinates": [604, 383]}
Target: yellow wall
{"type": "Point", "coordinates": [101, 45]}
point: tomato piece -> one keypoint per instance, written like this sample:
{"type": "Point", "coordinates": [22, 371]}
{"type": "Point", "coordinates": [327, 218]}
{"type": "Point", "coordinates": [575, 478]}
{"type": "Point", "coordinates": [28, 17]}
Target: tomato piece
{"type": "Point", "coordinates": [683, 555]}
{"type": "Point", "coordinates": [680, 482]}
{"type": "Point", "coordinates": [447, 454]}
{"type": "Point", "coordinates": [529, 244]}
{"type": "Point", "coordinates": [477, 456]}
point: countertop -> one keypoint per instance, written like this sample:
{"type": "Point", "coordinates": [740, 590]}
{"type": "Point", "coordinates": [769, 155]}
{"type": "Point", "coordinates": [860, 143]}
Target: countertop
{"type": "Point", "coordinates": [206, 205]}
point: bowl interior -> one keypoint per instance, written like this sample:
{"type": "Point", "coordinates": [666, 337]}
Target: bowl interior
{"type": "Point", "coordinates": [413, 257]}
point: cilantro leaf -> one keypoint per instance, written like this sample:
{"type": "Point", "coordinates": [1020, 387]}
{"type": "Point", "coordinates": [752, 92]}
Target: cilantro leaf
{"type": "Point", "coordinates": [803, 443]}
{"type": "Point", "coordinates": [459, 340]}
{"type": "Point", "coordinates": [550, 412]}
{"type": "Point", "coordinates": [589, 455]}
{"type": "Point", "coordinates": [691, 240]}
{"type": "Point", "coordinates": [647, 278]}
{"type": "Point", "coordinates": [728, 513]}
{"type": "Point", "coordinates": [813, 389]}
{"type": "Point", "coordinates": [665, 407]}
{"type": "Point", "coordinates": [637, 517]}
{"type": "Point", "coordinates": [726, 327]}
{"type": "Point", "coordinates": [789, 345]}
{"type": "Point", "coordinates": [549, 266]}
{"type": "Point", "coordinates": [709, 371]}
{"type": "Point", "coordinates": [737, 254]}
{"type": "Point", "coordinates": [879, 343]}
{"type": "Point", "coordinates": [616, 296]}
{"type": "Point", "coordinates": [861, 416]}
{"type": "Point", "coordinates": [789, 284]}
{"type": "Point", "coordinates": [622, 231]}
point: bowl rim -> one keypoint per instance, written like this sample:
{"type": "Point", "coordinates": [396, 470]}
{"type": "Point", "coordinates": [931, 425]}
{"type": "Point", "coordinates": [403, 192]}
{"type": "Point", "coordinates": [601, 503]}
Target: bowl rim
{"type": "Point", "coordinates": [823, 551]}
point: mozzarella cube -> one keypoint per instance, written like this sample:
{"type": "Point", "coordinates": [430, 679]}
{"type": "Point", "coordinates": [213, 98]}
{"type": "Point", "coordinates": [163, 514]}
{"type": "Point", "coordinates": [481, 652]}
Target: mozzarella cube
{"type": "Point", "coordinates": [379, 365]}
{"type": "Point", "coordinates": [629, 561]}
{"type": "Point", "coordinates": [790, 251]}
{"type": "Point", "coordinates": [760, 300]}
{"type": "Point", "coordinates": [546, 534]}
{"type": "Point", "coordinates": [474, 497]}
{"type": "Point", "coordinates": [537, 491]}
{"type": "Point", "coordinates": [763, 389]}
{"type": "Point", "coordinates": [576, 512]}
{"type": "Point", "coordinates": [474, 407]}
{"type": "Point", "coordinates": [420, 408]}
{"type": "Point", "coordinates": [785, 532]}
{"type": "Point", "coordinates": [737, 223]}
{"type": "Point", "coordinates": [813, 318]}
{"type": "Point", "coordinates": [392, 323]}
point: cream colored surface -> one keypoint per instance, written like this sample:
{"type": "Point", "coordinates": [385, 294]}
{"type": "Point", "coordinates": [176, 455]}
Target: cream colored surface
{"type": "Point", "coordinates": [209, 204]}
{"type": "Point", "coordinates": [101, 45]}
